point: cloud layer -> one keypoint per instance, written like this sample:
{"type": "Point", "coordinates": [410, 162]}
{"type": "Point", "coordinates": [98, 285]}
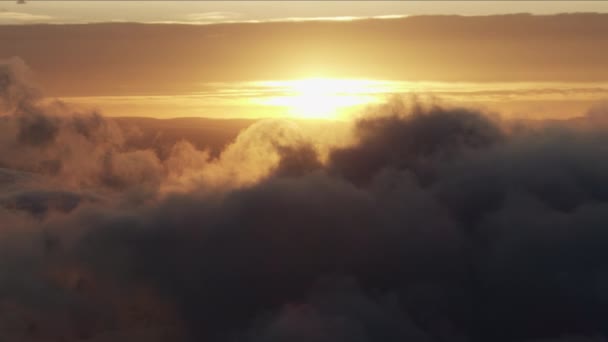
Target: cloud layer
{"type": "Point", "coordinates": [430, 224]}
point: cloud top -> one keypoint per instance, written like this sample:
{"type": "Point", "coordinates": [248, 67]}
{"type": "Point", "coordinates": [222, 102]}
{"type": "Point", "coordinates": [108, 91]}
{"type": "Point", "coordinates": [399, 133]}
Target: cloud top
{"type": "Point", "coordinates": [428, 223]}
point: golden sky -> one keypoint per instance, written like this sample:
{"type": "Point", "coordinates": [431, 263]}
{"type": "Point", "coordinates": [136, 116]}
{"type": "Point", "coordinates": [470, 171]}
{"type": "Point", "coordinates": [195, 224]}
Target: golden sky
{"type": "Point", "coordinates": [230, 11]}
{"type": "Point", "coordinates": [301, 58]}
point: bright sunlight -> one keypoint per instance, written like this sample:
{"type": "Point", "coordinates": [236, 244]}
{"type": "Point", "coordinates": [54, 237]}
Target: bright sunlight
{"type": "Point", "coordinates": [322, 98]}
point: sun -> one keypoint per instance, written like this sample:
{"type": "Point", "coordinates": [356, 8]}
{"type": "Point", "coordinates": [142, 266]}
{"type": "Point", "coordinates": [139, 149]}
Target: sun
{"type": "Point", "coordinates": [317, 98]}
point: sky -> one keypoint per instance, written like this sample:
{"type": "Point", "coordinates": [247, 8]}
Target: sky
{"type": "Point", "coordinates": [39, 11]}
{"type": "Point", "coordinates": [260, 59]}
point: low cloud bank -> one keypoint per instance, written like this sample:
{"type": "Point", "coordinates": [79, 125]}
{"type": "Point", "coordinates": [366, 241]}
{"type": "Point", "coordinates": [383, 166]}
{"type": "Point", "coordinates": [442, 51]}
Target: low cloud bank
{"type": "Point", "coordinates": [432, 224]}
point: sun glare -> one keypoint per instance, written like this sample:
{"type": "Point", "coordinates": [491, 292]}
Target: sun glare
{"type": "Point", "coordinates": [321, 97]}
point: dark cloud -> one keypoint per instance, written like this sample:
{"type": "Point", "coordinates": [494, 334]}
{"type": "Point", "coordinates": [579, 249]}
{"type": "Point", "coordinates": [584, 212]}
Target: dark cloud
{"type": "Point", "coordinates": [432, 224]}
{"type": "Point", "coordinates": [337, 310]}
{"type": "Point", "coordinates": [37, 130]}
{"type": "Point", "coordinates": [415, 140]}
{"type": "Point", "coordinates": [39, 203]}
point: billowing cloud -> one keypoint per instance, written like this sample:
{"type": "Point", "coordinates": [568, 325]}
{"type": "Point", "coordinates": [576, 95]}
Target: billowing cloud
{"type": "Point", "coordinates": [429, 223]}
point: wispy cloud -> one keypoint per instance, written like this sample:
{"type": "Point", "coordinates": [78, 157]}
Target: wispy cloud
{"type": "Point", "coordinates": [212, 17]}
{"type": "Point", "coordinates": [8, 17]}
{"type": "Point", "coordinates": [209, 18]}
{"type": "Point", "coordinates": [324, 18]}
{"type": "Point", "coordinates": [13, 16]}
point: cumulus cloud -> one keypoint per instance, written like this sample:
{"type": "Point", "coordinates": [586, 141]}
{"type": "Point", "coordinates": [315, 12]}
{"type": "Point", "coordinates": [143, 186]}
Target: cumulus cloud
{"type": "Point", "coordinates": [431, 224]}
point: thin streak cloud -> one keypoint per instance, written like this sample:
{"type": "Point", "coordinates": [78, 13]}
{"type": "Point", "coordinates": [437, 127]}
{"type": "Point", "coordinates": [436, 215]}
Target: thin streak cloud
{"type": "Point", "coordinates": [11, 18]}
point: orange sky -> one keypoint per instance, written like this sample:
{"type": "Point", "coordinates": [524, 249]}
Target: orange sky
{"type": "Point", "coordinates": [36, 11]}
{"type": "Point", "coordinates": [135, 59]}
{"type": "Point", "coordinates": [184, 70]}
